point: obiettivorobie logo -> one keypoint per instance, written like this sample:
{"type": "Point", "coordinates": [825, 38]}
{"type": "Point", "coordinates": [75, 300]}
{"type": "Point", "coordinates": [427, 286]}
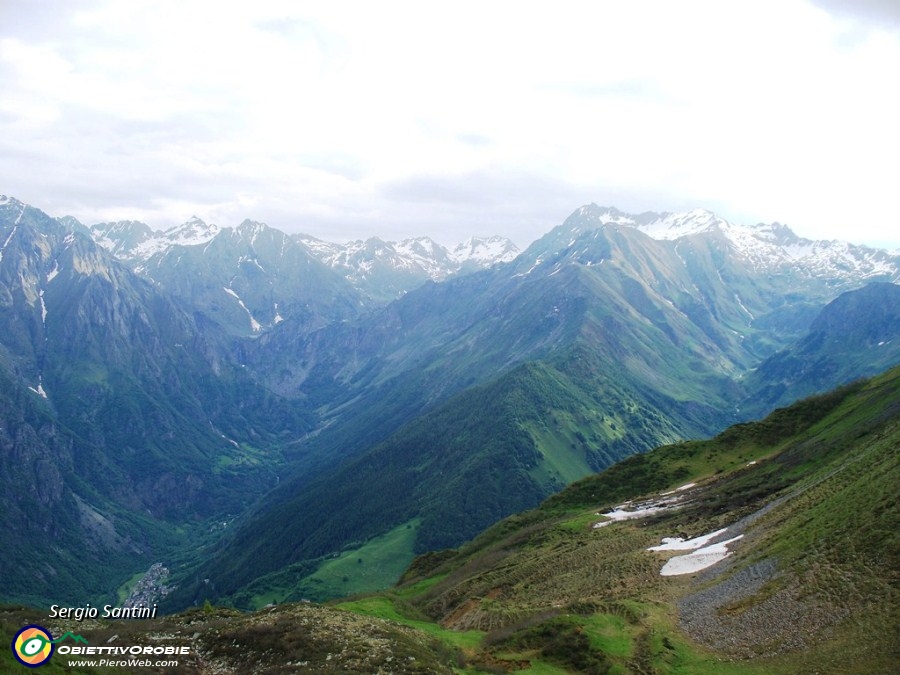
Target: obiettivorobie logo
{"type": "Point", "coordinates": [33, 645]}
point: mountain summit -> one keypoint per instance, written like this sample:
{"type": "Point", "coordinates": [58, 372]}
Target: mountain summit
{"type": "Point", "coordinates": [134, 242]}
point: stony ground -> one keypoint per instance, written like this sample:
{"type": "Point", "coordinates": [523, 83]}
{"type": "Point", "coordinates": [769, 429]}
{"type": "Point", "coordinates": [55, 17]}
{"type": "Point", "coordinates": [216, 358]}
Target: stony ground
{"type": "Point", "coordinates": [754, 611]}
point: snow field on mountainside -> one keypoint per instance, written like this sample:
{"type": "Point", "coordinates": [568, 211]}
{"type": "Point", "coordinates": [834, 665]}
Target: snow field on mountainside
{"type": "Point", "coordinates": [702, 555]}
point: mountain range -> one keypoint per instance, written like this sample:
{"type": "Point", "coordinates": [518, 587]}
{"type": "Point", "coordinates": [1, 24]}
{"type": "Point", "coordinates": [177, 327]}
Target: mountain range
{"type": "Point", "coordinates": [246, 406]}
{"type": "Point", "coordinates": [380, 271]}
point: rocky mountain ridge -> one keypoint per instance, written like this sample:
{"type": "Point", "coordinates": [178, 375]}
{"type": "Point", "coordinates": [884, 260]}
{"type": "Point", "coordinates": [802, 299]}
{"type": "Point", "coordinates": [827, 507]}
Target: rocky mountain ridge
{"type": "Point", "coordinates": [383, 270]}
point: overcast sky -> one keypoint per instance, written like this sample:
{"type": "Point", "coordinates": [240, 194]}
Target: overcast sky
{"type": "Point", "coordinates": [346, 120]}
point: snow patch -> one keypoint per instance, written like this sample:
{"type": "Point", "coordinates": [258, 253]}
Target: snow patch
{"type": "Point", "coordinates": [247, 258]}
{"type": "Point", "coordinates": [699, 559]}
{"type": "Point", "coordinates": [621, 513]}
{"type": "Point", "coordinates": [682, 488]}
{"type": "Point", "coordinates": [679, 544]}
{"type": "Point", "coordinates": [40, 389]}
{"type": "Point", "coordinates": [529, 271]}
{"type": "Point", "coordinates": [254, 324]}
{"type": "Point", "coordinates": [744, 307]}
{"type": "Point", "coordinates": [631, 511]}
{"type": "Point", "coordinates": [6, 243]}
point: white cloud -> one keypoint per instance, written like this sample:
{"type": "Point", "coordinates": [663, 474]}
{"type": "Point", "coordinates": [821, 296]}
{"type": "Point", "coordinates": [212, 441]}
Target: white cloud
{"type": "Point", "coordinates": [328, 117]}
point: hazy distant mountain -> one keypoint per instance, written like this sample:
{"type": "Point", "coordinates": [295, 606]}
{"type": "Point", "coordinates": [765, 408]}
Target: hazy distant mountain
{"type": "Point", "coordinates": [771, 248]}
{"type": "Point", "coordinates": [855, 335]}
{"type": "Point", "coordinates": [135, 242]}
{"type": "Point", "coordinates": [252, 277]}
{"type": "Point", "coordinates": [386, 270]}
{"type": "Point", "coordinates": [379, 270]}
{"type": "Point", "coordinates": [245, 279]}
{"type": "Point", "coordinates": [484, 252]}
{"type": "Point", "coordinates": [758, 284]}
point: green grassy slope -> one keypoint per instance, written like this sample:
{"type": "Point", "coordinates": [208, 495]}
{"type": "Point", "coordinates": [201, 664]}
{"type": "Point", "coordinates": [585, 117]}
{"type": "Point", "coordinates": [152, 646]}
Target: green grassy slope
{"type": "Point", "coordinates": [811, 586]}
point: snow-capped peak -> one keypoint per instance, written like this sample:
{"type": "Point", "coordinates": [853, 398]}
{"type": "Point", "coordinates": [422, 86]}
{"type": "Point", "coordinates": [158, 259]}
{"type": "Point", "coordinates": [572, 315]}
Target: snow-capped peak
{"type": "Point", "coordinates": [13, 204]}
{"type": "Point", "coordinates": [193, 232]}
{"type": "Point", "coordinates": [676, 225]}
{"type": "Point", "coordinates": [486, 251]}
{"type": "Point", "coordinates": [386, 269]}
{"type": "Point", "coordinates": [133, 240]}
{"type": "Point", "coordinates": [420, 246]}
{"type": "Point", "coordinates": [764, 246]}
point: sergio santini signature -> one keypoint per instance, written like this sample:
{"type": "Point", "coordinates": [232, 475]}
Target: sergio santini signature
{"type": "Point", "coordinates": [139, 611]}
